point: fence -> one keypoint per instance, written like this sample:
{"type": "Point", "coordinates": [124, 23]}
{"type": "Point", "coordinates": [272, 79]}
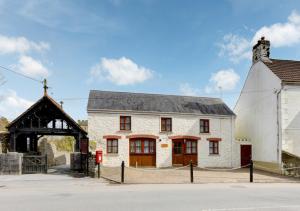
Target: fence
{"type": "Point", "coordinates": [191, 174]}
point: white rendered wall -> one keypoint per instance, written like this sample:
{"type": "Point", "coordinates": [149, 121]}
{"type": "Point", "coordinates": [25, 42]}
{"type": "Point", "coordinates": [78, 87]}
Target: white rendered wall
{"type": "Point", "coordinates": [256, 111]}
{"type": "Point", "coordinates": [105, 123]}
{"type": "Point", "coordinates": [290, 109]}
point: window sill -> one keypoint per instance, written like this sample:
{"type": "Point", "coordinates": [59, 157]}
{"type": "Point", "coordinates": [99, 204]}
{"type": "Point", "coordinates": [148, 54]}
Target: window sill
{"type": "Point", "coordinates": [214, 155]}
{"type": "Point", "coordinates": [124, 131]}
{"type": "Point", "coordinates": [165, 132]}
{"type": "Point", "coordinates": [205, 134]}
{"type": "Point", "coordinates": [112, 154]}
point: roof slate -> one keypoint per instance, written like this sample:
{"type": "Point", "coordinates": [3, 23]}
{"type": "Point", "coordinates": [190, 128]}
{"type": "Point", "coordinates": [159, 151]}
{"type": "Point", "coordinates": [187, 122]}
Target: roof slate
{"type": "Point", "coordinates": [286, 70]}
{"type": "Point", "coordinates": [140, 102]}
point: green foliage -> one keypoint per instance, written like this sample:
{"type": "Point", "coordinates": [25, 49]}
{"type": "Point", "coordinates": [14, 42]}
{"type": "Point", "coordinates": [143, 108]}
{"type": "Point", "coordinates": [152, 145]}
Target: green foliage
{"type": "Point", "coordinates": [65, 144]}
{"type": "Point", "coordinates": [93, 145]}
{"type": "Point", "coordinates": [3, 123]}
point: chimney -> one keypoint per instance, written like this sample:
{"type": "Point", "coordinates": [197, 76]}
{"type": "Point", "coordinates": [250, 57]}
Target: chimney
{"type": "Point", "coordinates": [261, 51]}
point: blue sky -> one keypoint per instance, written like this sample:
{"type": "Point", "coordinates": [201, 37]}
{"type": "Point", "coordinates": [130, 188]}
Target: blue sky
{"type": "Point", "coordinates": [180, 47]}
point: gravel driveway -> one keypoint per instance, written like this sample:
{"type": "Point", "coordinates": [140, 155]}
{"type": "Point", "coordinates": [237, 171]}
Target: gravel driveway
{"type": "Point", "coordinates": [178, 176]}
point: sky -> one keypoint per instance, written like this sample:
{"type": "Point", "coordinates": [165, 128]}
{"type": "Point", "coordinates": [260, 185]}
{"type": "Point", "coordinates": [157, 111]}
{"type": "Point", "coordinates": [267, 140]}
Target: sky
{"type": "Point", "coordinates": [198, 48]}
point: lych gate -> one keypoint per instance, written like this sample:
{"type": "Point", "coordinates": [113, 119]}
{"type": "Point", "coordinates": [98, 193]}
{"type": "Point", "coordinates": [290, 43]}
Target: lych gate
{"type": "Point", "coordinates": [45, 117]}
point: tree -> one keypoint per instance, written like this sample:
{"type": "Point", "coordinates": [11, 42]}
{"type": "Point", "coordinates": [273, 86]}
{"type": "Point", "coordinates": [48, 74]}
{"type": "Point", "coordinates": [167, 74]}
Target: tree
{"type": "Point", "coordinates": [3, 123]}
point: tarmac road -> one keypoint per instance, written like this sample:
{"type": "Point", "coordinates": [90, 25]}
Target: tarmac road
{"type": "Point", "coordinates": [62, 192]}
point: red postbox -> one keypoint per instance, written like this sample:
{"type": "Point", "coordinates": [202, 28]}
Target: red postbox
{"type": "Point", "coordinates": [99, 156]}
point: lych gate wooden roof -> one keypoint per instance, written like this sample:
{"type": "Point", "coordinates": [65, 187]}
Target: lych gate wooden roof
{"type": "Point", "coordinates": [52, 111]}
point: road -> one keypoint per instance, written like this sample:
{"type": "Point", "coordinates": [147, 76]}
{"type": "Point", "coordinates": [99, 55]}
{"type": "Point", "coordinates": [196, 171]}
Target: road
{"type": "Point", "coordinates": [62, 192]}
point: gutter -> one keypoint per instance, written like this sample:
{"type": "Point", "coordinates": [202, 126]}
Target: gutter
{"type": "Point", "coordinates": [278, 125]}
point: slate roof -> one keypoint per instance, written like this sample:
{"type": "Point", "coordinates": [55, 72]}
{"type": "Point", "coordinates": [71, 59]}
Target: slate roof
{"type": "Point", "coordinates": [285, 70]}
{"type": "Point", "coordinates": [140, 102]}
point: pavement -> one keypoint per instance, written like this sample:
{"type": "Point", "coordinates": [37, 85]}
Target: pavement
{"type": "Point", "coordinates": [56, 191]}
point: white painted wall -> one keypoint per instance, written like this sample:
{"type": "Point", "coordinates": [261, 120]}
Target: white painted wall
{"type": "Point", "coordinates": [290, 110]}
{"type": "Point", "coordinates": [105, 123]}
{"type": "Point", "coordinates": [256, 111]}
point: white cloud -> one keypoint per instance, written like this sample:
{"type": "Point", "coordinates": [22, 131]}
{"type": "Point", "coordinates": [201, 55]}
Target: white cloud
{"type": "Point", "coordinates": [188, 90]}
{"type": "Point", "coordinates": [20, 45]}
{"type": "Point", "coordinates": [11, 105]}
{"type": "Point", "coordinates": [121, 71]}
{"type": "Point", "coordinates": [32, 67]}
{"type": "Point", "coordinates": [280, 35]}
{"type": "Point", "coordinates": [235, 47]}
{"type": "Point", "coordinates": [224, 80]}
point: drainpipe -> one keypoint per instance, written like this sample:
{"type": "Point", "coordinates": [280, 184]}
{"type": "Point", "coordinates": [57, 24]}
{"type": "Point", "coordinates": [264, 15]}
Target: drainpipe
{"type": "Point", "coordinates": [278, 125]}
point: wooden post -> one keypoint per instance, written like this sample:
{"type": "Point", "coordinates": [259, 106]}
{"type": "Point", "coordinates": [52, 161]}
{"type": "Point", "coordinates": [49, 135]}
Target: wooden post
{"type": "Point", "coordinates": [251, 171]}
{"type": "Point", "coordinates": [46, 164]}
{"type": "Point", "coordinates": [191, 171]}
{"type": "Point", "coordinates": [122, 171]}
{"type": "Point", "coordinates": [98, 170]}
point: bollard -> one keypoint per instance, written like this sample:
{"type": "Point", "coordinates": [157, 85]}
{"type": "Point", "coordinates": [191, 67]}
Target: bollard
{"type": "Point", "coordinates": [122, 171]}
{"type": "Point", "coordinates": [191, 171]}
{"type": "Point", "coordinates": [251, 171]}
{"type": "Point", "coordinates": [98, 170]}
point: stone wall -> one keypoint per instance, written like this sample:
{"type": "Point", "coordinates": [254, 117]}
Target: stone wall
{"type": "Point", "coordinates": [54, 156]}
{"type": "Point", "coordinates": [11, 163]}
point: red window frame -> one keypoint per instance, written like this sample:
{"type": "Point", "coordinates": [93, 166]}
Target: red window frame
{"type": "Point", "coordinates": [111, 147]}
{"type": "Point", "coordinates": [191, 147]}
{"type": "Point", "coordinates": [213, 147]}
{"type": "Point", "coordinates": [204, 126]}
{"type": "Point", "coordinates": [166, 124]}
{"type": "Point", "coordinates": [125, 123]}
{"type": "Point", "coordinates": [146, 146]}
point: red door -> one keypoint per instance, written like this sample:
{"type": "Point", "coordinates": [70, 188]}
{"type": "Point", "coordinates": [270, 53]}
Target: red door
{"type": "Point", "coordinates": [184, 151]}
{"type": "Point", "coordinates": [246, 154]}
{"type": "Point", "coordinates": [178, 154]}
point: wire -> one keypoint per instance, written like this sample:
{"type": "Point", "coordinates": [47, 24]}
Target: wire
{"type": "Point", "coordinates": [18, 73]}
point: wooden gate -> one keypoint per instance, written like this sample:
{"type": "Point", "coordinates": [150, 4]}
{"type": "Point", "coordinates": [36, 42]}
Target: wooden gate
{"type": "Point", "coordinates": [33, 164]}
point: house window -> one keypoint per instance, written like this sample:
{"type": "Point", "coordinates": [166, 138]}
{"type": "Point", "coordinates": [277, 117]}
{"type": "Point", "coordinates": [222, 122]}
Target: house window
{"type": "Point", "coordinates": [125, 123]}
{"type": "Point", "coordinates": [204, 126]}
{"type": "Point", "coordinates": [191, 147]}
{"type": "Point", "coordinates": [112, 146]}
{"type": "Point", "coordinates": [166, 124]}
{"type": "Point", "coordinates": [142, 146]}
{"type": "Point", "coordinates": [213, 147]}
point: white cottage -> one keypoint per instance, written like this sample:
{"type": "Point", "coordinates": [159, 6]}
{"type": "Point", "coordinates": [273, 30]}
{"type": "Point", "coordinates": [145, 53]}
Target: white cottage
{"type": "Point", "coordinates": [162, 130]}
{"type": "Point", "coordinates": [268, 108]}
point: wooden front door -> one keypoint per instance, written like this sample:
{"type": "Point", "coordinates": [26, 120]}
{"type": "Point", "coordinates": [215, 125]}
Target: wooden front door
{"type": "Point", "coordinates": [246, 154]}
{"type": "Point", "coordinates": [142, 152]}
{"type": "Point", "coordinates": [184, 151]}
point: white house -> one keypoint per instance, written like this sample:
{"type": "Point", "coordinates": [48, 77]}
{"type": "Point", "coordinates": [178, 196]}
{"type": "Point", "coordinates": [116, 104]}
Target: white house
{"type": "Point", "coordinates": [268, 107]}
{"type": "Point", "coordinates": [162, 130]}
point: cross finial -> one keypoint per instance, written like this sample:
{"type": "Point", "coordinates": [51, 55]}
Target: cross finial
{"type": "Point", "coordinates": [45, 86]}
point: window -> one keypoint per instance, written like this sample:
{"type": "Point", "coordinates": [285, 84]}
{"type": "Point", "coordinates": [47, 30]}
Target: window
{"type": "Point", "coordinates": [112, 146]}
{"type": "Point", "coordinates": [142, 146]}
{"type": "Point", "coordinates": [166, 124]}
{"type": "Point", "coordinates": [204, 126]}
{"type": "Point", "coordinates": [191, 147]}
{"type": "Point", "coordinates": [125, 123]}
{"type": "Point", "coordinates": [213, 147]}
